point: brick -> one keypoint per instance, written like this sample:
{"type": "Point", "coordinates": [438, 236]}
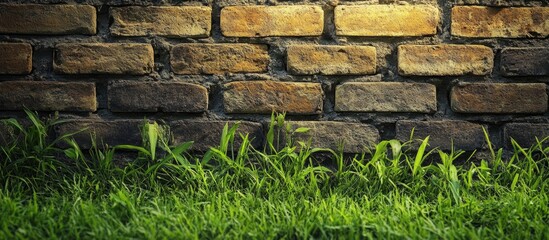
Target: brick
{"type": "Point", "coordinates": [104, 58]}
{"type": "Point", "coordinates": [272, 21]}
{"type": "Point", "coordinates": [356, 137]}
{"type": "Point", "coordinates": [15, 58]}
{"type": "Point", "coordinates": [157, 96]}
{"type": "Point", "coordinates": [48, 96]}
{"type": "Point", "coordinates": [488, 22]}
{"type": "Point", "coordinates": [525, 134]}
{"type": "Point", "coordinates": [7, 134]}
{"type": "Point", "coordinates": [525, 61]}
{"type": "Point", "coordinates": [386, 20]}
{"type": "Point", "coordinates": [441, 60]}
{"type": "Point", "coordinates": [219, 58]}
{"type": "Point", "coordinates": [444, 134]}
{"type": "Point", "coordinates": [385, 97]}
{"type": "Point", "coordinates": [47, 19]}
{"type": "Point", "coordinates": [173, 21]}
{"type": "Point", "coordinates": [499, 98]}
{"type": "Point", "coordinates": [208, 134]}
{"type": "Point", "coordinates": [110, 132]}
{"type": "Point", "coordinates": [331, 60]}
{"type": "Point", "coordinates": [268, 96]}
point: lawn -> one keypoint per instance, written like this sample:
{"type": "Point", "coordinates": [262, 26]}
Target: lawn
{"type": "Point", "coordinates": [280, 191]}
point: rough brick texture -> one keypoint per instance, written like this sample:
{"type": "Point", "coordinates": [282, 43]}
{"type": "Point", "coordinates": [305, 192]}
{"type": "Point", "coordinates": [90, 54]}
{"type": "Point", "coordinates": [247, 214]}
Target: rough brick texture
{"type": "Point", "coordinates": [358, 71]}
{"type": "Point", "coordinates": [331, 60]}
{"type": "Point", "coordinates": [499, 98]}
{"type": "Point", "coordinates": [47, 96]}
{"type": "Point", "coordinates": [461, 135]}
{"type": "Point", "coordinates": [356, 137]}
{"type": "Point", "coordinates": [104, 58]}
{"type": "Point", "coordinates": [386, 20]}
{"type": "Point", "coordinates": [6, 134]}
{"type": "Point", "coordinates": [440, 60]}
{"type": "Point", "coordinates": [157, 96]}
{"type": "Point", "coordinates": [385, 97]}
{"type": "Point", "coordinates": [219, 58]}
{"type": "Point", "coordinates": [15, 58]}
{"type": "Point", "coordinates": [47, 19]}
{"type": "Point", "coordinates": [525, 134]}
{"type": "Point", "coordinates": [112, 133]}
{"type": "Point", "coordinates": [525, 61]}
{"type": "Point", "coordinates": [266, 96]}
{"type": "Point", "coordinates": [173, 21]}
{"type": "Point", "coordinates": [206, 134]}
{"type": "Point", "coordinates": [266, 21]}
{"type": "Point", "coordinates": [486, 22]}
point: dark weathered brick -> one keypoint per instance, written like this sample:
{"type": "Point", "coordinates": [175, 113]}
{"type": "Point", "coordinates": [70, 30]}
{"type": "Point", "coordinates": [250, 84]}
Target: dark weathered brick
{"type": "Point", "coordinates": [386, 20]}
{"type": "Point", "coordinates": [198, 58]}
{"type": "Point", "coordinates": [270, 21]}
{"type": "Point", "coordinates": [109, 132]}
{"type": "Point", "coordinates": [499, 98]}
{"type": "Point", "coordinates": [6, 134]}
{"type": "Point", "coordinates": [268, 96]}
{"type": "Point", "coordinates": [513, 22]}
{"type": "Point", "coordinates": [47, 19]}
{"type": "Point", "coordinates": [15, 58]}
{"type": "Point", "coordinates": [461, 135]}
{"type": "Point", "coordinates": [104, 58]}
{"type": "Point", "coordinates": [331, 60]}
{"type": "Point", "coordinates": [157, 96]}
{"type": "Point", "coordinates": [206, 134]}
{"type": "Point", "coordinates": [356, 137]}
{"type": "Point", "coordinates": [525, 61]}
{"type": "Point", "coordinates": [444, 59]}
{"type": "Point", "coordinates": [171, 21]}
{"type": "Point", "coordinates": [48, 96]}
{"type": "Point", "coordinates": [525, 134]}
{"type": "Point", "coordinates": [385, 97]}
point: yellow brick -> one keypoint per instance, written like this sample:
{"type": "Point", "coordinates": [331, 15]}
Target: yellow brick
{"type": "Point", "coordinates": [486, 22]}
{"type": "Point", "coordinates": [386, 20]}
{"type": "Point", "coordinates": [446, 59]}
{"type": "Point", "coordinates": [175, 21]}
{"type": "Point", "coordinates": [265, 21]}
{"type": "Point", "coordinates": [331, 60]}
{"type": "Point", "coordinates": [47, 19]}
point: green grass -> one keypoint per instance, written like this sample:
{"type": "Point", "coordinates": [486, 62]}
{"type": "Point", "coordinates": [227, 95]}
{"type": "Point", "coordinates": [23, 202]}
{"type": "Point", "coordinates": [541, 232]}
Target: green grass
{"type": "Point", "coordinates": [236, 191]}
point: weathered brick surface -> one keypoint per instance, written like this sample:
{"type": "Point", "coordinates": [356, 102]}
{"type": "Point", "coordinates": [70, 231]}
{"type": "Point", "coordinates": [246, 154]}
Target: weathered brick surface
{"type": "Point", "coordinates": [15, 58]}
{"type": "Point", "coordinates": [385, 97]}
{"type": "Point", "coordinates": [219, 58]}
{"type": "Point", "coordinates": [266, 21]}
{"type": "Point", "coordinates": [485, 22]}
{"type": "Point", "coordinates": [354, 136]}
{"type": "Point", "coordinates": [6, 134]}
{"type": "Point", "coordinates": [267, 96]}
{"type": "Point", "coordinates": [440, 60]}
{"type": "Point", "coordinates": [47, 96]}
{"type": "Point", "coordinates": [525, 134]}
{"type": "Point", "coordinates": [461, 135]}
{"type": "Point", "coordinates": [386, 20]}
{"type": "Point", "coordinates": [331, 60]}
{"type": "Point", "coordinates": [499, 98]}
{"type": "Point", "coordinates": [157, 96]}
{"type": "Point", "coordinates": [525, 61]}
{"type": "Point", "coordinates": [206, 134]}
{"type": "Point", "coordinates": [104, 58]}
{"type": "Point", "coordinates": [110, 132]}
{"type": "Point", "coordinates": [47, 19]}
{"type": "Point", "coordinates": [173, 21]}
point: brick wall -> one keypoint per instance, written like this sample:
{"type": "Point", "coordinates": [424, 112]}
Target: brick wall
{"type": "Point", "coordinates": [357, 70]}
